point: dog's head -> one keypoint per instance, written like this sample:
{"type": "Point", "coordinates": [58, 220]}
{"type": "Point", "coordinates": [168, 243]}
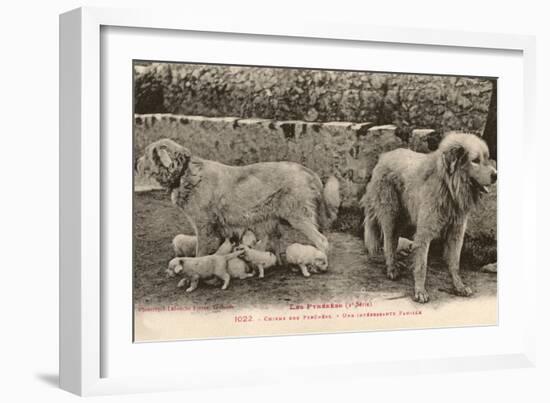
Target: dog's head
{"type": "Point", "coordinates": [175, 266]}
{"type": "Point", "coordinates": [242, 248]}
{"type": "Point", "coordinates": [466, 156]}
{"type": "Point", "coordinates": [321, 262]}
{"type": "Point", "coordinates": [249, 238]}
{"type": "Point", "coordinates": [165, 161]}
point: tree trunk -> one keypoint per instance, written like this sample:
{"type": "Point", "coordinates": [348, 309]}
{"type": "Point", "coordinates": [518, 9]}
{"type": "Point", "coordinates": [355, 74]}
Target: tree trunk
{"type": "Point", "coordinates": [490, 131]}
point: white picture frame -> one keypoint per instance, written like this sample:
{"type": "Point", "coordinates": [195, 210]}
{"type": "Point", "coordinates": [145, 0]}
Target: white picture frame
{"type": "Point", "coordinates": [82, 301]}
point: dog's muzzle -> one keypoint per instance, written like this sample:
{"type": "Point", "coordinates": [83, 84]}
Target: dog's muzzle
{"type": "Point", "coordinates": [476, 185]}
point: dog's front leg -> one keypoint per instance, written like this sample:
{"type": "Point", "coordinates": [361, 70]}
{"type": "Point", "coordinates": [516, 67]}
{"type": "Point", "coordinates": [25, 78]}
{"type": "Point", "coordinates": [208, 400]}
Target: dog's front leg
{"type": "Point", "coordinates": [183, 282]}
{"type": "Point", "coordinates": [303, 267]}
{"type": "Point", "coordinates": [193, 284]}
{"type": "Point", "coordinates": [453, 247]}
{"type": "Point", "coordinates": [207, 238]}
{"type": "Point", "coordinates": [421, 247]}
{"type": "Point", "coordinates": [390, 248]}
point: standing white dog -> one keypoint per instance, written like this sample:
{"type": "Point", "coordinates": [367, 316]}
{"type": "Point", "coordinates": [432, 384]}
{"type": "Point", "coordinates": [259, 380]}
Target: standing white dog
{"type": "Point", "coordinates": [434, 194]}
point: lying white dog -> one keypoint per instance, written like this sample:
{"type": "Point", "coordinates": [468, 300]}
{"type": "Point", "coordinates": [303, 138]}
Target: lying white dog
{"type": "Point", "coordinates": [304, 255]}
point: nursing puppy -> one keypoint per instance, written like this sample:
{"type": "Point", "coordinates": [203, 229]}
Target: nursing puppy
{"type": "Point", "coordinates": [261, 260]}
{"type": "Point", "coordinates": [184, 245]}
{"type": "Point", "coordinates": [306, 255]}
{"type": "Point", "coordinates": [432, 193]}
{"type": "Point", "coordinates": [205, 267]}
{"type": "Point", "coordinates": [236, 267]}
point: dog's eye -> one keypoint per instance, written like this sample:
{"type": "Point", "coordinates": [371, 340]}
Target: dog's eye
{"type": "Point", "coordinates": [476, 160]}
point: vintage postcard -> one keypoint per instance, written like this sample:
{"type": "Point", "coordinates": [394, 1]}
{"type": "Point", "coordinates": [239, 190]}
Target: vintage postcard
{"type": "Point", "coordinates": [281, 201]}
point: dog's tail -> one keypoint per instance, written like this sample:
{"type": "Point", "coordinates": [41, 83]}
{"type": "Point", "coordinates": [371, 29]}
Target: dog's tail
{"type": "Point", "coordinates": [331, 200]}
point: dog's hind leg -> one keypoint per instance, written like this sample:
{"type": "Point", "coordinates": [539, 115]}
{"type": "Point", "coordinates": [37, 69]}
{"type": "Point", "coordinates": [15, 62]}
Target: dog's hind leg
{"type": "Point", "coordinates": [421, 246]}
{"type": "Point", "coordinates": [226, 278]}
{"type": "Point", "coordinates": [385, 206]}
{"type": "Point", "coordinates": [260, 271]}
{"type": "Point", "coordinates": [372, 235]}
{"type": "Point", "coordinates": [390, 247]}
{"type": "Point", "coordinates": [453, 247]}
{"type": "Point", "coordinates": [309, 230]}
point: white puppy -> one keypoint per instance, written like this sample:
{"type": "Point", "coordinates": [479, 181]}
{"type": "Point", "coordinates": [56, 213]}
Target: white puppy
{"type": "Point", "coordinates": [236, 267]}
{"type": "Point", "coordinates": [194, 269]}
{"type": "Point", "coordinates": [249, 238]}
{"type": "Point", "coordinates": [304, 255]}
{"type": "Point", "coordinates": [257, 258]}
{"type": "Point", "coordinates": [404, 246]}
{"type": "Point", "coordinates": [184, 245]}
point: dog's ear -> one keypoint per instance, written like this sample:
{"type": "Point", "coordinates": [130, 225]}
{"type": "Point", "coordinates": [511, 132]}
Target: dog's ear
{"type": "Point", "coordinates": [454, 157]}
{"type": "Point", "coordinates": [320, 260]}
{"type": "Point", "coordinates": [167, 157]}
{"type": "Point", "coordinates": [161, 154]}
{"type": "Point", "coordinates": [170, 160]}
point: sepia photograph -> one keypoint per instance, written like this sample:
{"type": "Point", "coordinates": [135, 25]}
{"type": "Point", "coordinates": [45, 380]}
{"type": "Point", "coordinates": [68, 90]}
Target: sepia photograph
{"type": "Point", "coordinates": [280, 201]}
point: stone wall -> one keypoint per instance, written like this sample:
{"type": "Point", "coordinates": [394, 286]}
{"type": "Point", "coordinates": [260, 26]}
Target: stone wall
{"type": "Point", "coordinates": [409, 101]}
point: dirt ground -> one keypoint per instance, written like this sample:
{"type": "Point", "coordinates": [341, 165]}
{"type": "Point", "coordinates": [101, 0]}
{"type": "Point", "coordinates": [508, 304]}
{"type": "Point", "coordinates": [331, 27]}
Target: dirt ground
{"type": "Point", "coordinates": [350, 272]}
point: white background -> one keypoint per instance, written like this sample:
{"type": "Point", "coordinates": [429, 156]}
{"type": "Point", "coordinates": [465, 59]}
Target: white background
{"type": "Point", "coordinates": [29, 209]}
{"type": "Point", "coordinates": [151, 359]}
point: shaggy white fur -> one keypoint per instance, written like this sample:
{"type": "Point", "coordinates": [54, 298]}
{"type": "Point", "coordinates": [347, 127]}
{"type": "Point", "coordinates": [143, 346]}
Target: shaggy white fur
{"type": "Point", "coordinates": [304, 255]}
{"type": "Point", "coordinates": [224, 200]}
{"type": "Point", "coordinates": [184, 245]}
{"type": "Point", "coordinates": [236, 267]}
{"type": "Point", "coordinates": [194, 269]}
{"type": "Point", "coordinates": [260, 259]}
{"type": "Point", "coordinates": [432, 194]}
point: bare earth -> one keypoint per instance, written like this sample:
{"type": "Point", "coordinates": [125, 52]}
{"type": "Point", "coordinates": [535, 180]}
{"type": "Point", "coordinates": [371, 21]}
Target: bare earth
{"type": "Point", "coordinates": [350, 272]}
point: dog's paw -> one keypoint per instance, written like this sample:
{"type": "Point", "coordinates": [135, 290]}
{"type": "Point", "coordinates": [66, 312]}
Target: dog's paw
{"type": "Point", "coordinates": [393, 274]}
{"type": "Point", "coordinates": [464, 291]}
{"type": "Point", "coordinates": [421, 296]}
{"type": "Point", "coordinates": [190, 289]}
